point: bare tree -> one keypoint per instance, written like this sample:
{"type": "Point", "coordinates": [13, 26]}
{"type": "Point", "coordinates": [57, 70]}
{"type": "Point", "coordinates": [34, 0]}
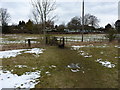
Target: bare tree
{"type": "Point", "coordinates": [4, 16]}
{"type": "Point", "coordinates": [94, 21]}
{"type": "Point", "coordinates": [35, 17]}
{"type": "Point", "coordinates": [91, 20]}
{"type": "Point", "coordinates": [75, 23]}
{"type": "Point", "coordinates": [42, 10]}
{"type": "Point", "coordinates": [86, 19]}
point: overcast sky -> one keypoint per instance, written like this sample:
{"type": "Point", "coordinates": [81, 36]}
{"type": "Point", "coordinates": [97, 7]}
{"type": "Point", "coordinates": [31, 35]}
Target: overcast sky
{"type": "Point", "coordinates": [105, 10]}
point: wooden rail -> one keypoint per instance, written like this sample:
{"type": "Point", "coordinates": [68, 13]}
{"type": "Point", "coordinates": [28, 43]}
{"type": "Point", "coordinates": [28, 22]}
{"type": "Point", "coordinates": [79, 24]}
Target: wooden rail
{"type": "Point", "coordinates": [61, 41]}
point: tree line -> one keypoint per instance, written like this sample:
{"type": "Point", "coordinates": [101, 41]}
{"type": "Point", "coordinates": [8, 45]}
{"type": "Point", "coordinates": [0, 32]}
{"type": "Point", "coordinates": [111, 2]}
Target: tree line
{"type": "Point", "coordinates": [43, 21]}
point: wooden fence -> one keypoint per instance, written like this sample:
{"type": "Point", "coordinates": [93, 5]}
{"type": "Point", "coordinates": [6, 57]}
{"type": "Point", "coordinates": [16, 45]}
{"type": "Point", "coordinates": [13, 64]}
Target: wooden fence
{"type": "Point", "coordinates": [61, 41]}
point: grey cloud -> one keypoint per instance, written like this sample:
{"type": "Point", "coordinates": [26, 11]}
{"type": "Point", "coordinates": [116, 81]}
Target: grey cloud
{"type": "Point", "coordinates": [66, 10]}
{"type": "Point", "coordinates": [18, 11]}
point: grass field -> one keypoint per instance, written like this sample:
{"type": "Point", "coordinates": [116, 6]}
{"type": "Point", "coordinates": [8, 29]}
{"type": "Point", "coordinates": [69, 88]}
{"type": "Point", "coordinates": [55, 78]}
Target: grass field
{"type": "Point", "coordinates": [75, 66]}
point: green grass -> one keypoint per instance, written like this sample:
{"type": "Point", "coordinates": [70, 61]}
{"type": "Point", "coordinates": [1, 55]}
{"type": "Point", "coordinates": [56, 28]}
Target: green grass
{"type": "Point", "coordinates": [95, 76]}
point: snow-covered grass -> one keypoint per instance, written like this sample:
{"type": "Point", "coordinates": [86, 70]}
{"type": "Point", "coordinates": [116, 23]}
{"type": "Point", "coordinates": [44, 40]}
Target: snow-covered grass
{"type": "Point", "coordinates": [64, 68]}
{"type": "Point", "coordinates": [87, 37]}
{"type": "Point", "coordinates": [107, 54]}
{"type": "Point", "coordinates": [21, 66]}
{"type": "Point", "coordinates": [75, 67]}
{"type": "Point", "coordinates": [14, 53]}
{"type": "Point", "coordinates": [105, 63]}
{"type": "Point", "coordinates": [27, 80]}
{"type": "Point", "coordinates": [16, 42]}
{"type": "Point", "coordinates": [77, 47]}
{"type": "Point", "coordinates": [10, 53]}
{"type": "Point", "coordinates": [19, 38]}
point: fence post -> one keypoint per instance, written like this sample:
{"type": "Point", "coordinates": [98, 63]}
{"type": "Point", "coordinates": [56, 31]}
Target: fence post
{"type": "Point", "coordinates": [63, 41]}
{"type": "Point", "coordinates": [118, 41]}
{"type": "Point", "coordinates": [66, 39]}
{"type": "Point", "coordinates": [46, 40]}
{"type": "Point", "coordinates": [60, 40]}
{"type": "Point", "coordinates": [94, 39]}
{"type": "Point", "coordinates": [25, 42]}
{"type": "Point", "coordinates": [29, 44]}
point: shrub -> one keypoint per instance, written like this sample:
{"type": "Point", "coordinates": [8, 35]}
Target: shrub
{"type": "Point", "coordinates": [111, 34]}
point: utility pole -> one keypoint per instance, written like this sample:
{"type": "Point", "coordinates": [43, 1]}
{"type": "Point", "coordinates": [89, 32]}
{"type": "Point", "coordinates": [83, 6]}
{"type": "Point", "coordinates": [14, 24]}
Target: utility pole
{"type": "Point", "coordinates": [44, 31]}
{"type": "Point", "coordinates": [82, 19]}
{"type": "Point", "coordinates": [119, 10]}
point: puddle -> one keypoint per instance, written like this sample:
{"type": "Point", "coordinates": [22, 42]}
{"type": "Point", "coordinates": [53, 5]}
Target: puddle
{"type": "Point", "coordinates": [21, 66]}
{"type": "Point", "coordinates": [27, 80]}
{"type": "Point", "coordinates": [14, 53]}
{"type": "Point", "coordinates": [105, 63]}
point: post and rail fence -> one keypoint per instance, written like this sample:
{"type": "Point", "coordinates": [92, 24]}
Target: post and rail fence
{"type": "Point", "coordinates": [61, 41]}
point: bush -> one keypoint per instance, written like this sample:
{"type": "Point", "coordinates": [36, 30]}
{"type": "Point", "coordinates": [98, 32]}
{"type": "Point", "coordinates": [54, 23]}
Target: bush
{"type": "Point", "coordinates": [111, 34]}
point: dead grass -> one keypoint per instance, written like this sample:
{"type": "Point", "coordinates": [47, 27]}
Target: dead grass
{"type": "Point", "coordinates": [95, 76]}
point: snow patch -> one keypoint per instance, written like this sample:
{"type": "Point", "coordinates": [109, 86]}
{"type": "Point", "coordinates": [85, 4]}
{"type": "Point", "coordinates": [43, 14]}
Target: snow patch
{"type": "Point", "coordinates": [31, 38]}
{"type": "Point", "coordinates": [27, 80]}
{"type": "Point", "coordinates": [105, 63]}
{"type": "Point", "coordinates": [76, 70]}
{"type": "Point", "coordinates": [52, 66]}
{"type": "Point", "coordinates": [14, 53]}
{"type": "Point", "coordinates": [74, 67]}
{"type": "Point", "coordinates": [86, 55]}
{"type": "Point", "coordinates": [11, 53]}
{"type": "Point", "coordinates": [21, 66]}
{"type": "Point", "coordinates": [35, 50]}
{"type": "Point", "coordinates": [77, 47]}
